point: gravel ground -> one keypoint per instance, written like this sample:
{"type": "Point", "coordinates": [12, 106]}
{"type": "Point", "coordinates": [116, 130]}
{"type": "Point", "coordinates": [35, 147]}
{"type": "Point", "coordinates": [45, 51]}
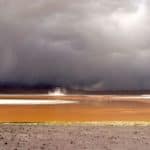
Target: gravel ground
{"type": "Point", "coordinates": [74, 137]}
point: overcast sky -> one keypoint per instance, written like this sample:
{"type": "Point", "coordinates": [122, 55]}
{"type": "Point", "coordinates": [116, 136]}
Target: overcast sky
{"type": "Point", "coordinates": [88, 44]}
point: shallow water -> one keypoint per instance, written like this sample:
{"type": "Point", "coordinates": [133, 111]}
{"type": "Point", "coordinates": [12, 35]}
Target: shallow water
{"type": "Point", "coordinates": [88, 108]}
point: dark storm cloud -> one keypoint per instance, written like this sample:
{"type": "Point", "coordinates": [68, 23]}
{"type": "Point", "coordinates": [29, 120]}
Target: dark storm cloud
{"type": "Point", "coordinates": [95, 44]}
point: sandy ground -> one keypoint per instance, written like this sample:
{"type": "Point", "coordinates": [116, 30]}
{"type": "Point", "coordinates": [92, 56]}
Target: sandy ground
{"type": "Point", "coordinates": [74, 137]}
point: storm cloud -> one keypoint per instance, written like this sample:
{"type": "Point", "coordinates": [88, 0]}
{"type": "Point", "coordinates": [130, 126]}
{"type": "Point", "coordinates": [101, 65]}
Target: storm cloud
{"type": "Point", "coordinates": [87, 44]}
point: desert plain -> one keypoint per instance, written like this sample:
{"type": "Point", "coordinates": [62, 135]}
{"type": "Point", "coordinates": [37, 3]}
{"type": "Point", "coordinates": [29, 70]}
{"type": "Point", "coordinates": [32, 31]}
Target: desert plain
{"type": "Point", "coordinates": [93, 122]}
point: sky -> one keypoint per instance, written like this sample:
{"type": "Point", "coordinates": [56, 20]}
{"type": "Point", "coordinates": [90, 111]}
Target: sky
{"type": "Point", "coordinates": [82, 44]}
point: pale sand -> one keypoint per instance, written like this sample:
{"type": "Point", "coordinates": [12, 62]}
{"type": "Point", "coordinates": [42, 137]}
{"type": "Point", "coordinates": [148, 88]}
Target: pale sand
{"type": "Point", "coordinates": [74, 137]}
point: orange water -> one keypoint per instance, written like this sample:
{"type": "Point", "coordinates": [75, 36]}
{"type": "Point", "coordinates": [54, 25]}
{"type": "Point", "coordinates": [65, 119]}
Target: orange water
{"type": "Point", "coordinates": [95, 109]}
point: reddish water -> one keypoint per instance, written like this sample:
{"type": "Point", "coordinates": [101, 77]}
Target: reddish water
{"type": "Point", "coordinates": [89, 109]}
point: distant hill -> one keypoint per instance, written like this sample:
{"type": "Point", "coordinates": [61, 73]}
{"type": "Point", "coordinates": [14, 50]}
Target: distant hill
{"type": "Point", "coordinates": [45, 89]}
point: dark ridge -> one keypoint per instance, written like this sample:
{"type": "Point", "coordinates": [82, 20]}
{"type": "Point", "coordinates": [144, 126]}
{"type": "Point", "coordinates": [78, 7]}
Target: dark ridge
{"type": "Point", "coordinates": [17, 88]}
{"type": "Point", "coordinates": [111, 92]}
{"type": "Point", "coordinates": [44, 90]}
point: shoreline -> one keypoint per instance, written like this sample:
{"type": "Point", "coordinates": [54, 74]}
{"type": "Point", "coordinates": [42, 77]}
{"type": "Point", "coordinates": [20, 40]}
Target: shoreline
{"type": "Point", "coordinates": [91, 123]}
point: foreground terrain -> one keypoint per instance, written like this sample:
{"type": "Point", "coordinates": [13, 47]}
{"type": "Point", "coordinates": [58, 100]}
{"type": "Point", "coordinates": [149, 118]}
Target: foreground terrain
{"type": "Point", "coordinates": [73, 137]}
{"type": "Point", "coordinates": [85, 131]}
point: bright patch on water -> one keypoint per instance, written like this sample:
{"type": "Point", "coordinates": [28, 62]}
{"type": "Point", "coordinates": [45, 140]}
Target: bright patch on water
{"type": "Point", "coordinates": [137, 97]}
{"type": "Point", "coordinates": [146, 96]}
{"type": "Point", "coordinates": [34, 102]}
